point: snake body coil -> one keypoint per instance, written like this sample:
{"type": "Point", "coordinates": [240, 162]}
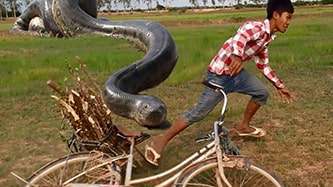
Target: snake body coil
{"type": "Point", "coordinates": [74, 17]}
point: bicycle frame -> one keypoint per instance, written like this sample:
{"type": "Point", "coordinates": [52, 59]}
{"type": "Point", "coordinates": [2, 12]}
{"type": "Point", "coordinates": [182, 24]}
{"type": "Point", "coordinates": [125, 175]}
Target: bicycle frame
{"type": "Point", "coordinates": [201, 154]}
{"type": "Point", "coordinates": [169, 175]}
{"type": "Point", "coordinates": [205, 152]}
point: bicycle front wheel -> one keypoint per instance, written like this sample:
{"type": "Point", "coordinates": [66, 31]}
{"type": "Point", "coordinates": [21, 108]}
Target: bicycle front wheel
{"type": "Point", "coordinates": [203, 174]}
{"type": "Point", "coordinates": [77, 168]}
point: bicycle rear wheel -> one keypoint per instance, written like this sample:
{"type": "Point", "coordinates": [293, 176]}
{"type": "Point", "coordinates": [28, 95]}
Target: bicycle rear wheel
{"type": "Point", "coordinates": [203, 174]}
{"type": "Point", "coordinates": [81, 167]}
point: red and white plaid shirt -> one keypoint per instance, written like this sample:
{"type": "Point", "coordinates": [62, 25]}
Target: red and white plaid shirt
{"type": "Point", "coordinates": [251, 41]}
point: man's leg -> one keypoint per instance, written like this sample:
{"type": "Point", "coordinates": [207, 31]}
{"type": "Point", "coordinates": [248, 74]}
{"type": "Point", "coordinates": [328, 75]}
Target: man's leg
{"type": "Point", "coordinates": [251, 108]}
{"type": "Point", "coordinates": [160, 142]}
{"type": "Point", "coordinates": [252, 86]}
{"type": "Point", "coordinates": [208, 100]}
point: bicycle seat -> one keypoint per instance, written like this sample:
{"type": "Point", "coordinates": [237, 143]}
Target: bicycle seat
{"type": "Point", "coordinates": [211, 84]}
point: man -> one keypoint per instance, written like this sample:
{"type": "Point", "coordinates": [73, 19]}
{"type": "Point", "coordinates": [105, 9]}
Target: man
{"type": "Point", "coordinates": [226, 69]}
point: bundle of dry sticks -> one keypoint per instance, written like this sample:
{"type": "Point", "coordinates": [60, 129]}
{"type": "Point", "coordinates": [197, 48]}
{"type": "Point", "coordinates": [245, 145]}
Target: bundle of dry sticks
{"type": "Point", "coordinates": [83, 106]}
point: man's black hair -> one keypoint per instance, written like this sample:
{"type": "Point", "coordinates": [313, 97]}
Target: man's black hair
{"type": "Point", "coordinates": [279, 6]}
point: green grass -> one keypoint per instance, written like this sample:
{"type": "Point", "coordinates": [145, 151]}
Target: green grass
{"type": "Point", "coordinates": [37, 59]}
{"type": "Point", "coordinates": [298, 147]}
{"type": "Point", "coordinates": [5, 24]}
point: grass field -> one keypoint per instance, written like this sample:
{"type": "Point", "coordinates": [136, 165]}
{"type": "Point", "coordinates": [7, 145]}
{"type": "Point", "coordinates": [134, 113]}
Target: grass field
{"type": "Point", "coordinates": [297, 148]}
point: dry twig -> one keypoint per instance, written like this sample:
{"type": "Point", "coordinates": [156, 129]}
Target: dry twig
{"type": "Point", "coordinates": [83, 106]}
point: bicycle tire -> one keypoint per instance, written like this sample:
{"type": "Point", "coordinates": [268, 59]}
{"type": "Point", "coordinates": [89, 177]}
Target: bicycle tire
{"type": "Point", "coordinates": [55, 173]}
{"type": "Point", "coordinates": [203, 174]}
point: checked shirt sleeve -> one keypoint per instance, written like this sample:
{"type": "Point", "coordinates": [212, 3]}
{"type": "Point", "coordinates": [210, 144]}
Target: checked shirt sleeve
{"type": "Point", "coordinates": [262, 63]}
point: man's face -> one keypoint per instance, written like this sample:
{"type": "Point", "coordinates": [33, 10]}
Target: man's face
{"type": "Point", "coordinates": [283, 21]}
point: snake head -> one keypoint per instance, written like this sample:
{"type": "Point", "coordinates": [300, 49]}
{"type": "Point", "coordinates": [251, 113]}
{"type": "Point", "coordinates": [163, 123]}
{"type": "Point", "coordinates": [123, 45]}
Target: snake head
{"type": "Point", "coordinates": [151, 111]}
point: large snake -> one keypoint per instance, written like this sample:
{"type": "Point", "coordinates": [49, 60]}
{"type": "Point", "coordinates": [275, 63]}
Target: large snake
{"type": "Point", "coordinates": [70, 18]}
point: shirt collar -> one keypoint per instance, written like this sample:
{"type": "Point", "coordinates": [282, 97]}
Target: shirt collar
{"type": "Point", "coordinates": [268, 29]}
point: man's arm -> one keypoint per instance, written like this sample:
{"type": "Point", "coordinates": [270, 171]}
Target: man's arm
{"type": "Point", "coordinates": [263, 65]}
{"type": "Point", "coordinates": [236, 65]}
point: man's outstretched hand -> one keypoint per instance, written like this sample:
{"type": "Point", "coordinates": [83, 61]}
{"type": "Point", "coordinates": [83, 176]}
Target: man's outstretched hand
{"type": "Point", "coordinates": [286, 95]}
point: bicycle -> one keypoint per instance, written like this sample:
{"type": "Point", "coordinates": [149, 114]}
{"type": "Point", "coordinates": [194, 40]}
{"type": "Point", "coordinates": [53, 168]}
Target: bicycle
{"type": "Point", "coordinates": [218, 163]}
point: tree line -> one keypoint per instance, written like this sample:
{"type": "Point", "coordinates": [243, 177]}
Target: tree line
{"type": "Point", "coordinates": [13, 8]}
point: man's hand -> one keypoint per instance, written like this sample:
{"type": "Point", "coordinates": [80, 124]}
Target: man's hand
{"type": "Point", "coordinates": [286, 95]}
{"type": "Point", "coordinates": [236, 65]}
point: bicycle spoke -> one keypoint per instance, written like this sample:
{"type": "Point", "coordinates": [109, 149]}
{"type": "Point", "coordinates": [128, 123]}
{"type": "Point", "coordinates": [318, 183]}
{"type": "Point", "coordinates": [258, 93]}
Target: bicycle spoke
{"type": "Point", "coordinates": [77, 168]}
{"type": "Point", "coordinates": [204, 174]}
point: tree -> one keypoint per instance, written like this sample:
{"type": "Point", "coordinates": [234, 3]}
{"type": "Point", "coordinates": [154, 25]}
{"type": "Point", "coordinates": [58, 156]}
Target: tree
{"type": "Point", "coordinates": [11, 7]}
{"type": "Point", "coordinates": [148, 3]}
{"type": "Point", "coordinates": [204, 2]}
{"type": "Point", "coordinates": [326, 2]}
{"type": "Point", "coordinates": [5, 7]}
{"type": "Point", "coordinates": [259, 2]}
{"type": "Point", "coordinates": [194, 2]}
{"type": "Point", "coordinates": [1, 9]}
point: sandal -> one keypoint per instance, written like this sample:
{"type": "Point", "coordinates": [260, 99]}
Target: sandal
{"type": "Point", "coordinates": [155, 156]}
{"type": "Point", "coordinates": [258, 132]}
